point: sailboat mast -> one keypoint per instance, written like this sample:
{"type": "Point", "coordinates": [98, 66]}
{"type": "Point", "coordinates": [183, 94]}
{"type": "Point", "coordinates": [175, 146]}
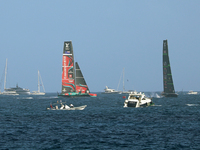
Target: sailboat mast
{"type": "Point", "coordinates": [41, 82]}
{"type": "Point", "coordinates": [5, 74]}
{"type": "Point", "coordinates": [123, 80]}
{"type": "Point", "coordinates": [38, 81]}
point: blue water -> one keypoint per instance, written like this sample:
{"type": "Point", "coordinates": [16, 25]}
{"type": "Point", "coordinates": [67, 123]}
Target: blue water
{"type": "Point", "coordinates": [173, 123]}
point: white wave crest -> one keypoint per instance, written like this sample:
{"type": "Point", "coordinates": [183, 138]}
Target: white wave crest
{"type": "Point", "coordinates": [192, 104]}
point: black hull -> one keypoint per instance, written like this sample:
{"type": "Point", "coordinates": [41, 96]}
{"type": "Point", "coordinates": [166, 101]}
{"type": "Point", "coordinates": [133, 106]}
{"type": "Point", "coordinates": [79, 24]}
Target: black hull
{"type": "Point", "coordinates": [169, 94]}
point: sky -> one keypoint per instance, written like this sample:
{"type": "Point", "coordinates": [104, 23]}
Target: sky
{"type": "Point", "coordinates": [107, 36]}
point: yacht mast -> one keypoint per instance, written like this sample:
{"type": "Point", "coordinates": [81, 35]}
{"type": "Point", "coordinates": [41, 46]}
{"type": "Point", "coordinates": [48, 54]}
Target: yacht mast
{"type": "Point", "coordinates": [38, 82]}
{"type": "Point", "coordinates": [123, 81]}
{"type": "Point", "coordinates": [5, 74]}
{"type": "Point", "coordinates": [40, 79]}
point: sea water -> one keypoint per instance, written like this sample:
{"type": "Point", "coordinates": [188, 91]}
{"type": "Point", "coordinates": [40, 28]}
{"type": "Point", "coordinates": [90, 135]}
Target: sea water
{"type": "Point", "coordinates": [173, 123]}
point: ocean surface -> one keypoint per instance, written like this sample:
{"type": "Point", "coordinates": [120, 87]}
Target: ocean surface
{"type": "Point", "coordinates": [173, 123]}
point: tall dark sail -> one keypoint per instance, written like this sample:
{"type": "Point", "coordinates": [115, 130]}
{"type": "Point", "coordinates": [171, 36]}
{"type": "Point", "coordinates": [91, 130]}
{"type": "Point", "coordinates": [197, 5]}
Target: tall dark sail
{"type": "Point", "coordinates": [81, 85]}
{"type": "Point", "coordinates": [73, 84]}
{"type": "Point", "coordinates": [68, 75]}
{"type": "Point", "coordinates": [167, 75]}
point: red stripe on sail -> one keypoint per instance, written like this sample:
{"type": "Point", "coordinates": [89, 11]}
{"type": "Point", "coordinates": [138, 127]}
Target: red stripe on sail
{"type": "Point", "coordinates": [67, 76]}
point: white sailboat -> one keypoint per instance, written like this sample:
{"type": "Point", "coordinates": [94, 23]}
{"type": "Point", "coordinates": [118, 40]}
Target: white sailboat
{"type": "Point", "coordinates": [123, 92]}
{"type": "Point", "coordinates": [38, 92]}
{"type": "Point", "coordinates": [7, 91]}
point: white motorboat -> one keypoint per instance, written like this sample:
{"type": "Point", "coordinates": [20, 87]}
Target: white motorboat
{"type": "Point", "coordinates": [137, 99]}
{"type": "Point", "coordinates": [65, 107]}
{"type": "Point", "coordinates": [110, 91]}
{"type": "Point", "coordinates": [192, 92]}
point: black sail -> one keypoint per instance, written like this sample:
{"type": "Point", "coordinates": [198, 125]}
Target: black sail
{"type": "Point", "coordinates": [81, 85]}
{"type": "Point", "coordinates": [167, 75]}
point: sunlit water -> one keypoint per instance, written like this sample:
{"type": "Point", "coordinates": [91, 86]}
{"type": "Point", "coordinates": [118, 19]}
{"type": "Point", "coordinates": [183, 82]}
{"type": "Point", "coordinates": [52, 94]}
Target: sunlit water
{"type": "Point", "coordinates": [173, 123]}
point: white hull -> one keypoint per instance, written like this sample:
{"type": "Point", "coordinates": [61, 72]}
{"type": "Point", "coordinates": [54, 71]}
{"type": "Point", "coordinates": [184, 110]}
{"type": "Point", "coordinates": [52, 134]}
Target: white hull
{"type": "Point", "coordinates": [191, 92]}
{"type": "Point", "coordinates": [69, 108]}
{"type": "Point", "coordinates": [125, 92]}
{"type": "Point", "coordinates": [137, 103]}
{"type": "Point", "coordinates": [38, 93]}
{"type": "Point", "coordinates": [110, 91]}
{"type": "Point", "coordinates": [9, 93]}
{"type": "Point", "coordinates": [137, 100]}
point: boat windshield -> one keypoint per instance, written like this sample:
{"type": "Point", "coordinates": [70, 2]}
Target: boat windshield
{"type": "Point", "coordinates": [134, 97]}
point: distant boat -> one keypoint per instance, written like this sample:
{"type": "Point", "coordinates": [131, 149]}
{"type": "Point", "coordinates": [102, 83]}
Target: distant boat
{"type": "Point", "coordinates": [167, 75]}
{"type": "Point", "coordinates": [110, 91]}
{"type": "Point", "coordinates": [123, 92]}
{"type": "Point", "coordinates": [7, 92]}
{"type": "Point", "coordinates": [13, 91]}
{"type": "Point", "coordinates": [38, 92]}
{"type": "Point", "coordinates": [192, 92]}
{"type": "Point", "coordinates": [18, 90]}
{"type": "Point", "coordinates": [62, 106]}
{"type": "Point", "coordinates": [73, 83]}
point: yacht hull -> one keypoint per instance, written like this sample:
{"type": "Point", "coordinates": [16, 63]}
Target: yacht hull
{"type": "Point", "coordinates": [169, 94]}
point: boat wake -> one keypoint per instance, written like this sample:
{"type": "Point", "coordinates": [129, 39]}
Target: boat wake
{"type": "Point", "coordinates": [51, 97]}
{"type": "Point", "coordinates": [157, 105]}
{"type": "Point", "coordinates": [24, 97]}
{"type": "Point", "coordinates": [155, 95]}
{"type": "Point", "coordinates": [192, 104]}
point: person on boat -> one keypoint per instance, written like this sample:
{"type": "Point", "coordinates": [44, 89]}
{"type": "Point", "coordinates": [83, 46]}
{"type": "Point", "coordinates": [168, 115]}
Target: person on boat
{"type": "Point", "coordinates": [62, 106]}
{"type": "Point", "coordinates": [67, 107]}
{"type": "Point", "coordinates": [51, 106]}
{"type": "Point", "coordinates": [71, 106]}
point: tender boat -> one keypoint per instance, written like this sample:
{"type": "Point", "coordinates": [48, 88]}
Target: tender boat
{"type": "Point", "coordinates": [137, 99]}
{"type": "Point", "coordinates": [61, 106]}
{"type": "Point", "coordinates": [191, 92]}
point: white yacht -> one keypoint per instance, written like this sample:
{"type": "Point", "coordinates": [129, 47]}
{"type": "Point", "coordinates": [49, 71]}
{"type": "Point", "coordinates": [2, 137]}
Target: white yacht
{"type": "Point", "coordinates": [15, 90]}
{"type": "Point", "coordinates": [9, 93]}
{"type": "Point", "coordinates": [192, 92]}
{"type": "Point", "coordinates": [137, 99]}
{"type": "Point", "coordinates": [110, 91]}
{"type": "Point", "coordinates": [18, 90]}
